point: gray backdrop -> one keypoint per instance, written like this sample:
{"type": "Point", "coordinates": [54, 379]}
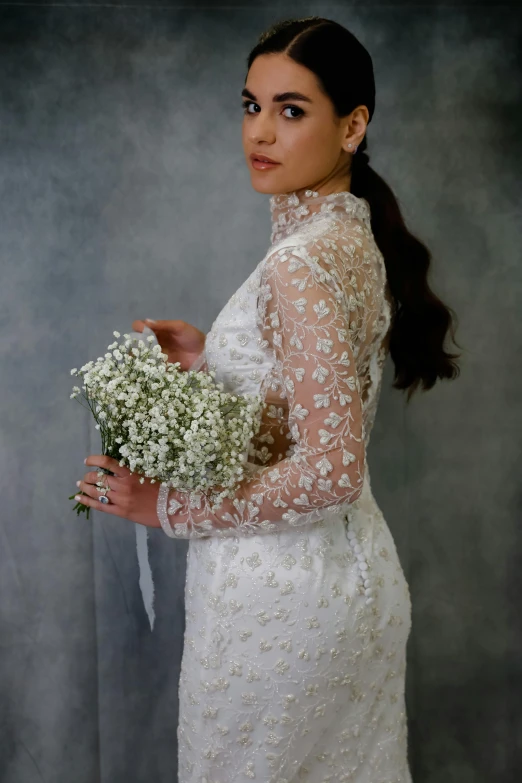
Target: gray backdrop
{"type": "Point", "coordinates": [124, 194]}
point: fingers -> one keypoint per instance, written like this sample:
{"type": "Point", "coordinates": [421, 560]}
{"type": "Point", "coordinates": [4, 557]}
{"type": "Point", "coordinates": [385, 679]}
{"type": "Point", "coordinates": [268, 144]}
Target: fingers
{"type": "Point", "coordinates": [92, 478]}
{"type": "Point", "coordinates": [107, 508]}
{"type": "Point", "coordinates": [93, 484]}
{"type": "Point", "coordinates": [91, 490]}
{"type": "Point", "coordinates": [140, 324]}
{"type": "Point", "coordinates": [174, 327]}
{"type": "Point", "coordinates": [102, 461]}
{"type": "Point", "coordinates": [90, 493]}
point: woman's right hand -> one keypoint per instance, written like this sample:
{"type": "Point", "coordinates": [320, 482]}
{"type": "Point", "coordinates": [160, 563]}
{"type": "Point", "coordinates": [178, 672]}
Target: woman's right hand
{"type": "Point", "coordinates": [181, 341]}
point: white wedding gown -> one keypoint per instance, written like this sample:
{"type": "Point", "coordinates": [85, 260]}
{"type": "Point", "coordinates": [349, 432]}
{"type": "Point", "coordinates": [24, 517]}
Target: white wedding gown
{"type": "Point", "coordinates": [297, 608]}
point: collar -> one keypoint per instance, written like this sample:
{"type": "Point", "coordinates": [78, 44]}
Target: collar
{"type": "Point", "coordinates": [288, 211]}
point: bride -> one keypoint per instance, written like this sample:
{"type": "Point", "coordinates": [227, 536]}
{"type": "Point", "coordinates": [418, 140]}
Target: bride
{"type": "Point", "coordinates": [297, 608]}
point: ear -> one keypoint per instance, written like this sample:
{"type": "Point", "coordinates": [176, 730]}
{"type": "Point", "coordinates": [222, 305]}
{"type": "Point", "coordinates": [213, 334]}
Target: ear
{"type": "Point", "coordinates": [355, 128]}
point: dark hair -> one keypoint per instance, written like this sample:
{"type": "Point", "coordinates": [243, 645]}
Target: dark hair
{"type": "Point", "coordinates": [420, 320]}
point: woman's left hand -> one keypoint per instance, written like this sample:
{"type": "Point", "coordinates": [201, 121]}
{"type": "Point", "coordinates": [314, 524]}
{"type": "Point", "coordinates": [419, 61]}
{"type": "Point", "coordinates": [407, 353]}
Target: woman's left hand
{"type": "Point", "coordinates": [128, 497]}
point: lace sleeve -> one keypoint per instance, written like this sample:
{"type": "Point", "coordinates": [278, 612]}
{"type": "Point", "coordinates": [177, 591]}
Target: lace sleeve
{"type": "Point", "coordinates": [303, 311]}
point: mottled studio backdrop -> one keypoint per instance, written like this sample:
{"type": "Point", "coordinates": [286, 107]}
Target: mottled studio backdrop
{"type": "Point", "coordinates": [124, 194]}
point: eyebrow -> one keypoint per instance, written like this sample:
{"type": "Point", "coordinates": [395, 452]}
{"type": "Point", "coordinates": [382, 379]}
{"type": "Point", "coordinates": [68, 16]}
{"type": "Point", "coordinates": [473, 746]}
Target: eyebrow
{"type": "Point", "coordinates": [279, 97]}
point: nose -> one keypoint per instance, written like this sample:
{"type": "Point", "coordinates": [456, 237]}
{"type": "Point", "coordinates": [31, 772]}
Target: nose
{"type": "Point", "coordinates": [261, 129]}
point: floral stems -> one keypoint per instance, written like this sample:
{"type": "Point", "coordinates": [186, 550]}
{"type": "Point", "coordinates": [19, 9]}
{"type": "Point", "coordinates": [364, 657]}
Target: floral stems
{"type": "Point", "coordinates": [80, 508]}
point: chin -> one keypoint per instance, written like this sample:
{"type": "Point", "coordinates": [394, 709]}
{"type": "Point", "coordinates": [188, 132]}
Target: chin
{"type": "Point", "coordinates": [265, 187]}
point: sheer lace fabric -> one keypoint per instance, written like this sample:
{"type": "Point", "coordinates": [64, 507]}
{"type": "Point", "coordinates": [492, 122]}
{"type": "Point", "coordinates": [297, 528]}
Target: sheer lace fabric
{"type": "Point", "coordinates": [297, 609]}
{"type": "Point", "coordinates": [318, 328]}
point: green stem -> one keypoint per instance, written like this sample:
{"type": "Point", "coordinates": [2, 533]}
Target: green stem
{"type": "Point", "coordinates": [80, 508]}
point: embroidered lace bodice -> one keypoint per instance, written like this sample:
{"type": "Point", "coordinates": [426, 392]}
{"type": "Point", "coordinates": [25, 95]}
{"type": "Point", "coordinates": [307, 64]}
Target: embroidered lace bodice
{"type": "Point", "coordinates": [308, 331]}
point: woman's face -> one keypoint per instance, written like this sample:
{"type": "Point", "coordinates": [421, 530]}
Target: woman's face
{"type": "Point", "coordinates": [302, 134]}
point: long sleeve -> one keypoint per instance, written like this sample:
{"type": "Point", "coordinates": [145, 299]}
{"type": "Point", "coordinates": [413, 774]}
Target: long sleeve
{"type": "Point", "coordinates": [304, 308]}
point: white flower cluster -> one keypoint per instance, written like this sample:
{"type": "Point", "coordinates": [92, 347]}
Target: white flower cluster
{"type": "Point", "coordinates": [177, 427]}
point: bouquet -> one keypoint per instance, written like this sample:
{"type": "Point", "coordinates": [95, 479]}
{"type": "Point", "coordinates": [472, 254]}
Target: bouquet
{"type": "Point", "coordinates": [177, 427]}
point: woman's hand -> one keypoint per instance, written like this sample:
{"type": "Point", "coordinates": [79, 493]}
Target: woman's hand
{"type": "Point", "coordinates": [128, 498]}
{"type": "Point", "coordinates": [179, 340]}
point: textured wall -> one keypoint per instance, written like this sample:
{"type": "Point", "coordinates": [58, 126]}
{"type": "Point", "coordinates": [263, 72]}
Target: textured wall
{"type": "Point", "coordinates": [124, 194]}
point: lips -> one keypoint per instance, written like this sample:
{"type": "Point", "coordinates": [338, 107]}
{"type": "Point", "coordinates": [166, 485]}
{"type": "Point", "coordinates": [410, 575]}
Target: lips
{"type": "Point", "coordinates": [262, 158]}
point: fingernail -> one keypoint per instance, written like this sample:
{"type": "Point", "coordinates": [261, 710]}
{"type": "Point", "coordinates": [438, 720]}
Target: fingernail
{"type": "Point", "coordinates": [150, 320]}
{"type": "Point", "coordinates": [77, 497]}
{"type": "Point", "coordinates": [77, 483]}
{"type": "Point", "coordinates": [85, 461]}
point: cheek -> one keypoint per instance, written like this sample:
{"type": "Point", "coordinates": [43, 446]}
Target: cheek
{"type": "Point", "coordinates": [309, 148]}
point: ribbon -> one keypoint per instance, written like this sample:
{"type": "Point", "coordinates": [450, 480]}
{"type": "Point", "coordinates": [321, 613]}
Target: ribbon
{"type": "Point", "coordinates": [146, 582]}
{"type": "Point", "coordinates": [142, 549]}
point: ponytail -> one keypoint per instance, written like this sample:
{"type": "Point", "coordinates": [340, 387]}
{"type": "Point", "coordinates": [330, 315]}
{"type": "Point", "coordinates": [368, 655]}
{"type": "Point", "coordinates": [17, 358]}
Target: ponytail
{"type": "Point", "coordinates": [420, 320]}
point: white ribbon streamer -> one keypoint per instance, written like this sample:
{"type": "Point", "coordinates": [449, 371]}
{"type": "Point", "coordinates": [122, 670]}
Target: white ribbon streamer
{"type": "Point", "coordinates": [146, 582]}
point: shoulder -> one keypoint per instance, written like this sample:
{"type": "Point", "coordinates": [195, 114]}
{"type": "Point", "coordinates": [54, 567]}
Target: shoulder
{"type": "Point", "coordinates": [327, 254]}
{"type": "Point", "coordinates": [328, 235]}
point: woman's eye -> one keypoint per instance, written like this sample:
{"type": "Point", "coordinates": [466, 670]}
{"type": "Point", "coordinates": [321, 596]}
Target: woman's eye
{"type": "Point", "coordinates": [246, 104]}
{"type": "Point", "coordinates": [294, 108]}
{"type": "Point", "coordinates": [299, 111]}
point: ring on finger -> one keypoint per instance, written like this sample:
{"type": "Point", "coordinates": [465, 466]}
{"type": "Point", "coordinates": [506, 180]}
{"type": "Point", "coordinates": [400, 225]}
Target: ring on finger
{"type": "Point", "coordinates": [102, 490]}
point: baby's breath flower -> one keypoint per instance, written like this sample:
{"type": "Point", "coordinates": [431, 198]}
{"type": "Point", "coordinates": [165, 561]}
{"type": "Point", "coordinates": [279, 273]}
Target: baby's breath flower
{"type": "Point", "coordinates": [178, 427]}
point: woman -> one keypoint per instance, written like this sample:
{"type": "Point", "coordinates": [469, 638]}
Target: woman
{"type": "Point", "coordinates": [298, 612]}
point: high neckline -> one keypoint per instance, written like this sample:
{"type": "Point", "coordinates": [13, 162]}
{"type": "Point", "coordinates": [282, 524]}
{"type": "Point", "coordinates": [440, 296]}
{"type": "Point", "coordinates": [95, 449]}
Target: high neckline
{"type": "Point", "coordinates": [288, 211]}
